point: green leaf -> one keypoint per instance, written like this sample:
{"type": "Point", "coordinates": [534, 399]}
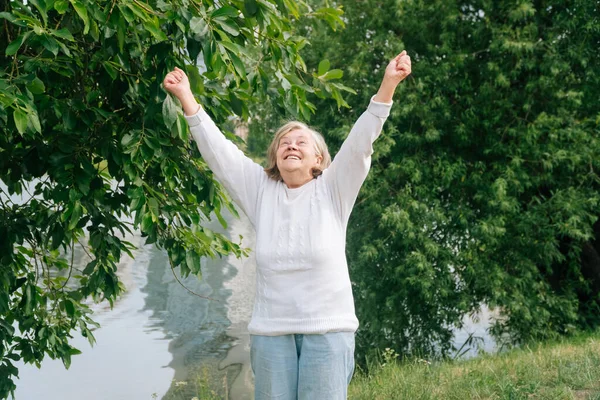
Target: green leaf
{"type": "Point", "coordinates": [94, 31]}
{"type": "Point", "coordinates": [143, 14]}
{"type": "Point", "coordinates": [74, 352]}
{"type": "Point", "coordinates": [74, 195]}
{"type": "Point", "coordinates": [196, 80]}
{"type": "Point", "coordinates": [63, 34]}
{"type": "Point", "coordinates": [129, 138]}
{"type": "Point", "coordinates": [152, 142]}
{"type": "Point", "coordinates": [153, 206]}
{"type": "Point", "coordinates": [91, 266]}
{"type": "Point", "coordinates": [153, 27]}
{"type": "Point", "coordinates": [121, 31]}
{"type": "Point", "coordinates": [147, 223]}
{"type": "Point", "coordinates": [226, 11]}
{"type": "Point", "coordinates": [229, 27]}
{"type": "Point", "coordinates": [169, 112]}
{"type": "Point", "coordinates": [58, 235]}
{"type": "Point", "coordinates": [234, 48]}
{"type": "Point", "coordinates": [323, 67]}
{"type": "Point", "coordinates": [136, 203]}
{"type": "Point", "coordinates": [4, 301]}
{"type": "Point", "coordinates": [126, 13]}
{"type": "Point", "coordinates": [251, 7]}
{"type": "Point", "coordinates": [238, 65]}
{"type": "Point", "coordinates": [12, 19]}
{"type": "Point", "coordinates": [33, 118]}
{"type": "Point", "coordinates": [83, 14]}
{"type": "Point", "coordinates": [198, 26]}
{"type": "Point", "coordinates": [50, 44]}
{"type": "Point", "coordinates": [7, 327]}
{"type": "Point", "coordinates": [219, 65]}
{"type": "Point", "coordinates": [222, 220]}
{"type": "Point", "coordinates": [75, 216]}
{"type": "Point", "coordinates": [40, 5]}
{"type": "Point", "coordinates": [61, 6]}
{"type": "Point", "coordinates": [344, 88]}
{"type": "Point", "coordinates": [16, 44]}
{"type": "Point", "coordinates": [332, 16]}
{"type": "Point", "coordinates": [147, 152]}
{"type": "Point", "coordinates": [333, 74]}
{"type": "Point", "coordinates": [36, 86]}
{"type": "Point", "coordinates": [193, 261]}
{"type": "Point", "coordinates": [30, 299]}
{"type": "Point", "coordinates": [110, 69]}
{"type": "Point", "coordinates": [208, 51]}
{"type": "Point", "coordinates": [182, 128]}
{"type": "Point", "coordinates": [236, 104]}
{"type": "Point", "coordinates": [20, 121]}
{"type": "Point", "coordinates": [292, 6]}
{"type": "Point", "coordinates": [66, 359]}
{"type": "Point", "coordinates": [69, 308]}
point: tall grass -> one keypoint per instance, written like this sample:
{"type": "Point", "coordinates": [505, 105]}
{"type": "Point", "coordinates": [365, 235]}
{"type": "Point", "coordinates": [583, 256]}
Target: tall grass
{"type": "Point", "coordinates": [569, 369]}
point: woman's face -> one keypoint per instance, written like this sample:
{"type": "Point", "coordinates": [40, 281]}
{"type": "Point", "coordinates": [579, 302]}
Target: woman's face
{"type": "Point", "coordinates": [297, 152]}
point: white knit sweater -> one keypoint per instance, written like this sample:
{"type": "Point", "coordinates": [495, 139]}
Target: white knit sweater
{"type": "Point", "coordinates": [302, 281]}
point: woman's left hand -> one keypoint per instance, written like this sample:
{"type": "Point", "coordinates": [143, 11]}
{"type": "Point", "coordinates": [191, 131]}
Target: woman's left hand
{"type": "Point", "coordinates": [398, 69]}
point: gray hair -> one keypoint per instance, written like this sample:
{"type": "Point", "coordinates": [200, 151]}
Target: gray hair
{"type": "Point", "coordinates": [320, 149]}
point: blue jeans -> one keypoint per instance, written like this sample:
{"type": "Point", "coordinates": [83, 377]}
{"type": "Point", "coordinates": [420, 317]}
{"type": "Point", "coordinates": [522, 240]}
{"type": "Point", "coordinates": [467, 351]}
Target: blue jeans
{"type": "Point", "coordinates": [302, 367]}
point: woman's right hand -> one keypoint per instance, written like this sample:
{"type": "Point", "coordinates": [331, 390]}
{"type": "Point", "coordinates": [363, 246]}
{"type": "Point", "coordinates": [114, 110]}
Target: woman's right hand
{"type": "Point", "coordinates": [177, 83]}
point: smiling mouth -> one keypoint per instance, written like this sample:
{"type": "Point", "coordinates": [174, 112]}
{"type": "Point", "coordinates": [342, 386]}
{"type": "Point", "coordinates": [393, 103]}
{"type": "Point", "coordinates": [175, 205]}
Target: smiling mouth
{"type": "Point", "coordinates": [292, 158]}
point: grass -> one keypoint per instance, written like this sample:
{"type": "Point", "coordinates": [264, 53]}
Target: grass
{"type": "Point", "coordinates": [206, 383]}
{"type": "Point", "coordinates": [569, 369]}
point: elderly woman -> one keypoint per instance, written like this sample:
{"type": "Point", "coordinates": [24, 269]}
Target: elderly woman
{"type": "Point", "coordinates": [303, 323]}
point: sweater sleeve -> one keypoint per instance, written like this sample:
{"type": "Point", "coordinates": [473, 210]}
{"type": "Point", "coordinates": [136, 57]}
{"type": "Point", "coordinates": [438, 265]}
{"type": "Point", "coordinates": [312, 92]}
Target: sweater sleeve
{"type": "Point", "coordinates": [241, 176]}
{"type": "Point", "coordinates": [351, 164]}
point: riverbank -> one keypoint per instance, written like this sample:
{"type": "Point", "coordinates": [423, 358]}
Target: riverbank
{"type": "Point", "coordinates": [569, 369]}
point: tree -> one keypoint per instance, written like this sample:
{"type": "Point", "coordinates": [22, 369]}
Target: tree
{"type": "Point", "coordinates": [484, 187]}
{"type": "Point", "coordinates": [87, 126]}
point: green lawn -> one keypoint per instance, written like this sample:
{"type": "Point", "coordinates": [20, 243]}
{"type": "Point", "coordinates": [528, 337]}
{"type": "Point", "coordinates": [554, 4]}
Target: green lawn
{"type": "Point", "coordinates": [569, 369]}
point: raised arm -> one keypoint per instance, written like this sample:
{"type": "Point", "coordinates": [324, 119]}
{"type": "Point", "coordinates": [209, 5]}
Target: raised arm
{"type": "Point", "coordinates": [351, 165]}
{"type": "Point", "coordinates": [241, 176]}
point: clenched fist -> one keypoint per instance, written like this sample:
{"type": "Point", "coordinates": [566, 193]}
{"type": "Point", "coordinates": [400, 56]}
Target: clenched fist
{"type": "Point", "coordinates": [177, 83]}
{"type": "Point", "coordinates": [395, 72]}
{"type": "Point", "coordinates": [399, 68]}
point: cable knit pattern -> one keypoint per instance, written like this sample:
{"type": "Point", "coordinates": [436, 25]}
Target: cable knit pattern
{"type": "Point", "coordinates": [302, 281]}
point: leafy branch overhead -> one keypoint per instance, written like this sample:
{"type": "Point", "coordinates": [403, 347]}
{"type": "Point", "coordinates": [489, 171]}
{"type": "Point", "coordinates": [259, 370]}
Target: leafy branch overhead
{"type": "Point", "coordinates": [93, 149]}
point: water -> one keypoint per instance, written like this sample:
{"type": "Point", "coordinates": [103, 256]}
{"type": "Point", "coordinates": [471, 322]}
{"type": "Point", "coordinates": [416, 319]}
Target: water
{"type": "Point", "coordinates": [477, 327]}
{"type": "Point", "coordinates": [128, 361]}
{"type": "Point", "coordinates": [159, 335]}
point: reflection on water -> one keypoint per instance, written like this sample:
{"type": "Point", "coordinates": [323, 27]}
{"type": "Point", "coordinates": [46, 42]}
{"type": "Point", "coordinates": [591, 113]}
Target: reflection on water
{"type": "Point", "coordinates": [476, 327]}
{"type": "Point", "coordinates": [127, 362]}
{"type": "Point", "coordinates": [158, 335]}
{"type": "Point", "coordinates": [209, 342]}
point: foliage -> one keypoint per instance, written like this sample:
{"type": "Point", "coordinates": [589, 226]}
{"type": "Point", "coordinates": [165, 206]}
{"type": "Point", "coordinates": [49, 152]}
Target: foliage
{"type": "Point", "coordinates": [95, 149]}
{"type": "Point", "coordinates": [484, 186]}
